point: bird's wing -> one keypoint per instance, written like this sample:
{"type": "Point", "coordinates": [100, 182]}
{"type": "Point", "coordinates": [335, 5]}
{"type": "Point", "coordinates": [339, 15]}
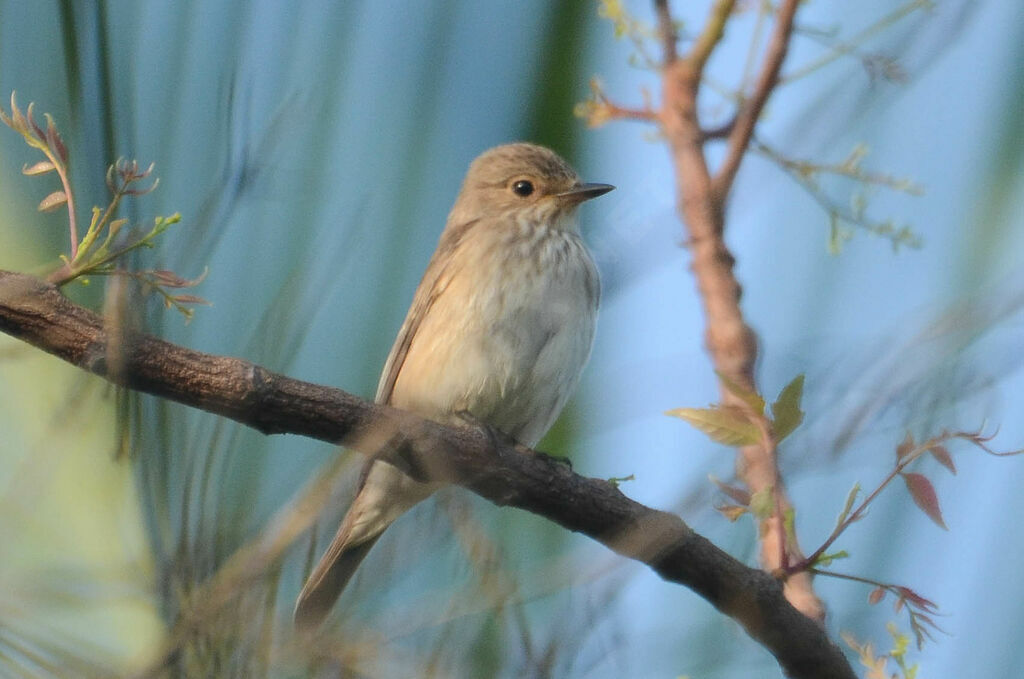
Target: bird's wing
{"type": "Point", "coordinates": [430, 288]}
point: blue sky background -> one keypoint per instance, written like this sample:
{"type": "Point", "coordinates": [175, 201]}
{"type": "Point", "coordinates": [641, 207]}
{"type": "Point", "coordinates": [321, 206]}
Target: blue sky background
{"type": "Point", "coordinates": [314, 149]}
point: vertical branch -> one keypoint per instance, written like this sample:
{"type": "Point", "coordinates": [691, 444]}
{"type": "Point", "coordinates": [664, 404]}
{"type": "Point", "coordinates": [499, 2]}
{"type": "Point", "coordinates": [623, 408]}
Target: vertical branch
{"type": "Point", "coordinates": [731, 343]}
{"type": "Point", "coordinates": [666, 30]}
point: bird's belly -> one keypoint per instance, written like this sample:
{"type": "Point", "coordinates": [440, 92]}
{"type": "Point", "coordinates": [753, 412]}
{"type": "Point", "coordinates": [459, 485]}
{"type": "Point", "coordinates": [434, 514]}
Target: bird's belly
{"type": "Point", "coordinates": [509, 353]}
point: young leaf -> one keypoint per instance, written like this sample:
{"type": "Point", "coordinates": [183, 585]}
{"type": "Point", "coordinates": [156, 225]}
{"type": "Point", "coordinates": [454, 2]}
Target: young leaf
{"type": "Point", "coordinates": [32, 122]}
{"type": "Point", "coordinates": [827, 559]}
{"type": "Point", "coordinates": [722, 424]}
{"type": "Point", "coordinates": [115, 226]}
{"type": "Point", "coordinates": [53, 139]}
{"type": "Point", "coordinates": [732, 512]}
{"type": "Point", "coordinates": [751, 398]}
{"type": "Point", "coordinates": [877, 594]}
{"type": "Point", "coordinates": [876, 665]}
{"type": "Point", "coordinates": [615, 480]}
{"type": "Point", "coordinates": [738, 495]}
{"type": "Point", "coordinates": [169, 279]}
{"type": "Point", "coordinates": [835, 240]}
{"type": "Point", "coordinates": [786, 409]}
{"type": "Point", "coordinates": [923, 492]}
{"type": "Point", "coordinates": [850, 499]}
{"type": "Point", "coordinates": [762, 503]}
{"type": "Point", "coordinates": [916, 600]}
{"type": "Point", "coordinates": [42, 167]}
{"type": "Point", "coordinates": [789, 524]}
{"type": "Point", "coordinates": [945, 459]}
{"type": "Point", "coordinates": [53, 201]}
{"type": "Point", "coordinates": [904, 448]}
{"type": "Point", "coordinates": [192, 299]}
{"type": "Point", "coordinates": [900, 642]}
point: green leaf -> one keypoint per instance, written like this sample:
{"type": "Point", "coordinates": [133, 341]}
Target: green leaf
{"type": "Point", "coordinates": [850, 499]}
{"type": "Point", "coordinates": [835, 241]}
{"type": "Point", "coordinates": [789, 524]}
{"type": "Point", "coordinates": [723, 424]}
{"type": "Point", "coordinates": [786, 409]}
{"type": "Point", "coordinates": [827, 559]}
{"type": "Point", "coordinates": [732, 512]}
{"type": "Point", "coordinates": [751, 398]}
{"type": "Point", "coordinates": [762, 503]}
{"type": "Point", "coordinates": [53, 201]}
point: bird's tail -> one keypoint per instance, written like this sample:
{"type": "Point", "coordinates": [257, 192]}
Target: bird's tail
{"type": "Point", "coordinates": [385, 494]}
{"type": "Point", "coordinates": [327, 581]}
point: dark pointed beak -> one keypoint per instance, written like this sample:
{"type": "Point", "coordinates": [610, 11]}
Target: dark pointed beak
{"type": "Point", "coordinates": [582, 192]}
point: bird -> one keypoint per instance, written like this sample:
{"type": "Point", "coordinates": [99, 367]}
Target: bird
{"type": "Point", "coordinates": [498, 332]}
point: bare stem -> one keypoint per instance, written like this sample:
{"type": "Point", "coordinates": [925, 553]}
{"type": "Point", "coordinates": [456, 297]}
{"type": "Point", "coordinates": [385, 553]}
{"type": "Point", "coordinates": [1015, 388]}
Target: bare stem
{"type": "Point", "coordinates": [731, 343]}
{"type": "Point", "coordinates": [750, 111]}
{"type": "Point", "coordinates": [667, 30]}
{"type": "Point", "coordinates": [850, 46]}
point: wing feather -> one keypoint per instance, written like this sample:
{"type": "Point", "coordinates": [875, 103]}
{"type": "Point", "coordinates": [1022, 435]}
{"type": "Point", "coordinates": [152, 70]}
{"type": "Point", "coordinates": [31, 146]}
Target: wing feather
{"type": "Point", "coordinates": [430, 288]}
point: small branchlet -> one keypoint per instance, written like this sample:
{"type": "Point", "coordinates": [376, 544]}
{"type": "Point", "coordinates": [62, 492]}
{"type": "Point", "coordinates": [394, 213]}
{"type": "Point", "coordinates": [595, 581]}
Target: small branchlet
{"type": "Point", "coordinates": [598, 109]}
{"type": "Point", "coordinates": [747, 421]}
{"type": "Point", "coordinates": [877, 64]}
{"type": "Point", "coordinates": [106, 241]}
{"type": "Point", "coordinates": [640, 33]}
{"type": "Point", "coordinates": [919, 609]}
{"type": "Point", "coordinates": [920, 488]}
{"type": "Point", "coordinates": [50, 143]}
{"type": "Point", "coordinates": [844, 219]}
{"type": "Point", "coordinates": [162, 282]}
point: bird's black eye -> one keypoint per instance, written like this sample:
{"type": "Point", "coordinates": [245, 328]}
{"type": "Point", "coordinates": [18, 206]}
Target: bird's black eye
{"type": "Point", "coordinates": [522, 188]}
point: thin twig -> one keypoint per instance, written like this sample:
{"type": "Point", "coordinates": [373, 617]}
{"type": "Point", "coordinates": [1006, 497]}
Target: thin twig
{"type": "Point", "coordinates": [750, 111]}
{"type": "Point", "coordinates": [667, 30]}
{"type": "Point", "coordinates": [850, 46]}
{"type": "Point", "coordinates": [719, 132]}
{"type": "Point", "coordinates": [711, 35]}
{"type": "Point", "coordinates": [620, 113]}
{"type": "Point", "coordinates": [764, 8]}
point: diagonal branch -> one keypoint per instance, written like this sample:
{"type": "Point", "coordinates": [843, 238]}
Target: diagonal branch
{"type": "Point", "coordinates": [40, 315]}
{"type": "Point", "coordinates": [750, 110]}
{"type": "Point", "coordinates": [712, 34]}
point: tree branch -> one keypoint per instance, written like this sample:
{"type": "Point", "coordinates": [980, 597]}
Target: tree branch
{"type": "Point", "coordinates": [37, 313]}
{"type": "Point", "coordinates": [750, 110]}
{"type": "Point", "coordinates": [712, 34]}
{"type": "Point", "coordinates": [731, 343]}
{"type": "Point", "coordinates": [667, 31]}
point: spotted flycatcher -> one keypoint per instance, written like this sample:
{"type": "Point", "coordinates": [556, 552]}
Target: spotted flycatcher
{"type": "Point", "coordinates": [498, 332]}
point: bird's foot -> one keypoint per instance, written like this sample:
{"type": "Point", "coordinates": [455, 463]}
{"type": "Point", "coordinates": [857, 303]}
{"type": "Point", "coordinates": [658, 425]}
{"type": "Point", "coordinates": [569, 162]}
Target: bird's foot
{"type": "Point", "coordinates": [498, 438]}
{"type": "Point", "coordinates": [555, 458]}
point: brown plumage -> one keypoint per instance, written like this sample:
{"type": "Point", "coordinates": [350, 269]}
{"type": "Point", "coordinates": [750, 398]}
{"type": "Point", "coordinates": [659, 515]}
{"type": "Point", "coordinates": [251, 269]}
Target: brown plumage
{"type": "Point", "coordinates": [500, 328]}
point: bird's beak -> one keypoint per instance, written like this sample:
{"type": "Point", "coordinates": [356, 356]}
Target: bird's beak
{"type": "Point", "coordinates": [582, 192]}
